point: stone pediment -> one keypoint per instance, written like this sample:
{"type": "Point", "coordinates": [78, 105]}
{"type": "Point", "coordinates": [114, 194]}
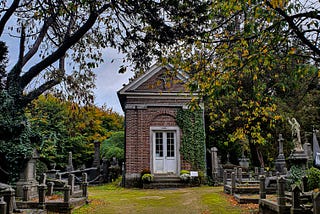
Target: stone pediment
{"type": "Point", "coordinates": [159, 82]}
{"type": "Point", "coordinates": [159, 79]}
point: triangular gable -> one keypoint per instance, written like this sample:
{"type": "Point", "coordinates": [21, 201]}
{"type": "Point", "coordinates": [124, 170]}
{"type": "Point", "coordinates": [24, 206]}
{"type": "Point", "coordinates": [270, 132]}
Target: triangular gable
{"type": "Point", "coordinates": [158, 79]}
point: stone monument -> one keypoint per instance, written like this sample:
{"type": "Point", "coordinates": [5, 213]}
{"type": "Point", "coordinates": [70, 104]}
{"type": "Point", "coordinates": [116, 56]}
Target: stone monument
{"type": "Point", "coordinates": [96, 159]}
{"type": "Point", "coordinates": [244, 161]}
{"type": "Point", "coordinates": [70, 164]}
{"type": "Point", "coordinates": [28, 177]}
{"type": "Point", "coordinates": [280, 160]}
{"type": "Point", "coordinates": [297, 156]}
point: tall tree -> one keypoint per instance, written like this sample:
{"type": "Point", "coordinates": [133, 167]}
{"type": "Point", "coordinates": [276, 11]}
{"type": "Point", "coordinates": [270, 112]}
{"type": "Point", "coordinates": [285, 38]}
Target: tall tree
{"type": "Point", "coordinates": [240, 67]}
{"type": "Point", "coordinates": [59, 35]}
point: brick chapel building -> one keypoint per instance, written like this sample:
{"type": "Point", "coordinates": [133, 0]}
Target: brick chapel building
{"type": "Point", "coordinates": [152, 135]}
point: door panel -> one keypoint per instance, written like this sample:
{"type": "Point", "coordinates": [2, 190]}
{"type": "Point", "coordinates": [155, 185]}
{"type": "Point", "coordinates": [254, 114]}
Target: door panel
{"type": "Point", "coordinates": [165, 160]}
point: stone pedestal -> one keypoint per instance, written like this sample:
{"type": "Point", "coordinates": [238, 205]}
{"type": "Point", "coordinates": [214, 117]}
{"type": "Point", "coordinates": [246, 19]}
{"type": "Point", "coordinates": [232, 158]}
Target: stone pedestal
{"type": "Point", "coordinates": [298, 158]}
{"type": "Point", "coordinates": [28, 178]}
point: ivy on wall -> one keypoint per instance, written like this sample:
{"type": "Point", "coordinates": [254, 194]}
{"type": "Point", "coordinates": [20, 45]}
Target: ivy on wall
{"type": "Point", "coordinates": [193, 137]}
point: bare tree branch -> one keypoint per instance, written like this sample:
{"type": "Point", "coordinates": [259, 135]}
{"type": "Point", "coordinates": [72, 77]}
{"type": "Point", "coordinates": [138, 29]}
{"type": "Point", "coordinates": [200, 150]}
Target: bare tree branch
{"type": "Point", "coordinates": [8, 14]}
{"type": "Point", "coordinates": [68, 43]}
{"type": "Point", "coordinates": [295, 29]}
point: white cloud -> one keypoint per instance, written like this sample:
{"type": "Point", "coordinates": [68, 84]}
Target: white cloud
{"type": "Point", "coordinates": [109, 81]}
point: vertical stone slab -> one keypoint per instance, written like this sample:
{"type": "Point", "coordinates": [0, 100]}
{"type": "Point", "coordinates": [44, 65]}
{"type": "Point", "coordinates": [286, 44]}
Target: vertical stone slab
{"type": "Point", "coordinates": [96, 158]}
{"type": "Point", "coordinates": [50, 188]}
{"type": "Point", "coordinates": [66, 190]}
{"type": "Point", "coordinates": [71, 183]}
{"type": "Point", "coordinates": [316, 202]}
{"type": "Point", "coordinates": [214, 162]}
{"type": "Point", "coordinates": [281, 191]}
{"type": "Point", "coordinates": [3, 206]}
{"type": "Point", "coordinates": [262, 189]}
{"type": "Point", "coordinates": [233, 182]}
{"type": "Point", "coordinates": [42, 196]}
{"type": "Point", "coordinates": [70, 164]}
{"type": "Point", "coordinates": [256, 173]}
{"type": "Point", "coordinates": [295, 208]}
{"type": "Point", "coordinates": [240, 175]}
{"type": "Point", "coordinates": [84, 185]}
{"type": "Point", "coordinates": [225, 174]}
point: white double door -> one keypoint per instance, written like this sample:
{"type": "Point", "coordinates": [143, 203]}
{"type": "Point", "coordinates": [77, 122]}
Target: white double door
{"type": "Point", "coordinates": [165, 152]}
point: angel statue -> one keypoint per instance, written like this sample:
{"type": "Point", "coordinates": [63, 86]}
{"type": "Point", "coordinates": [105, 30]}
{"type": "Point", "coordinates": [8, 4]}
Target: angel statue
{"type": "Point", "coordinates": [295, 128]}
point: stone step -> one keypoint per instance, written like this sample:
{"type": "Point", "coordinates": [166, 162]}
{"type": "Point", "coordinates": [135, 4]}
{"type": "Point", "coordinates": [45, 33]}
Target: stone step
{"type": "Point", "coordinates": [166, 179]}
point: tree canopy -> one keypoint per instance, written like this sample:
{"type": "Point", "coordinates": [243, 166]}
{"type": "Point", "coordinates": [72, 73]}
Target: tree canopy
{"type": "Point", "coordinates": [60, 42]}
{"type": "Point", "coordinates": [253, 67]}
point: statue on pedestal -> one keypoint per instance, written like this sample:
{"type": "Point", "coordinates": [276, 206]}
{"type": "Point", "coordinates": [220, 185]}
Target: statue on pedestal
{"type": "Point", "coordinates": [295, 128]}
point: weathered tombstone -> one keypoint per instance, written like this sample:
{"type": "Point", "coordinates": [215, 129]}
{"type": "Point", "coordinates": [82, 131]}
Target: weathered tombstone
{"type": "Point", "coordinates": [105, 171]}
{"type": "Point", "coordinates": [280, 162]}
{"type": "Point", "coordinates": [66, 198]}
{"type": "Point", "coordinates": [214, 162]}
{"type": "Point", "coordinates": [262, 189]}
{"type": "Point", "coordinates": [256, 173]}
{"type": "Point", "coordinates": [28, 177]}
{"type": "Point", "coordinates": [233, 182]}
{"type": "Point", "coordinates": [7, 193]}
{"type": "Point", "coordinates": [281, 198]}
{"type": "Point", "coordinates": [43, 178]}
{"type": "Point", "coordinates": [316, 202]}
{"type": "Point", "coordinates": [295, 208]}
{"type": "Point", "coordinates": [42, 196]}
{"type": "Point", "coordinates": [96, 158]}
{"type": "Point", "coordinates": [84, 185]}
{"type": "Point", "coordinates": [71, 183]}
{"type": "Point", "coordinates": [70, 164]}
{"type": "Point", "coordinates": [50, 188]}
{"type": "Point", "coordinates": [3, 206]}
{"type": "Point", "coordinates": [52, 172]}
{"type": "Point", "coordinates": [225, 175]}
{"type": "Point", "coordinates": [240, 175]}
{"type": "Point", "coordinates": [244, 161]}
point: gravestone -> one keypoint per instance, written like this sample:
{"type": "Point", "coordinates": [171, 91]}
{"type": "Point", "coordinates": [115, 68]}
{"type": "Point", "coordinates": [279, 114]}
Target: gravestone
{"type": "Point", "coordinates": [96, 159]}
{"type": "Point", "coordinates": [214, 162]}
{"type": "Point", "coordinates": [51, 173]}
{"type": "Point", "coordinates": [244, 161]}
{"type": "Point", "coordinates": [70, 164]}
{"type": "Point", "coordinates": [28, 178]}
{"type": "Point", "coordinates": [280, 162]}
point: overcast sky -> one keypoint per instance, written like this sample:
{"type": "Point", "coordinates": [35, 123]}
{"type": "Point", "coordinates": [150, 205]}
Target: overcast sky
{"type": "Point", "coordinates": [109, 81]}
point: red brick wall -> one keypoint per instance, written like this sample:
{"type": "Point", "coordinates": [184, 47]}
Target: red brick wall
{"type": "Point", "coordinates": [138, 122]}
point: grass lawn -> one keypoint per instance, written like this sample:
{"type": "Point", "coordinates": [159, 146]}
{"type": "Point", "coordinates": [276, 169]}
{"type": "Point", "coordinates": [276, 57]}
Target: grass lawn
{"type": "Point", "coordinates": [204, 200]}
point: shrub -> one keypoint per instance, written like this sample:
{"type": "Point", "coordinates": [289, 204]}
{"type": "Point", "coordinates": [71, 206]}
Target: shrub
{"type": "Point", "coordinates": [185, 177]}
{"type": "Point", "coordinates": [313, 175]}
{"type": "Point", "coordinates": [295, 176]}
{"type": "Point", "coordinates": [184, 172]}
{"type": "Point", "coordinates": [147, 178]}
